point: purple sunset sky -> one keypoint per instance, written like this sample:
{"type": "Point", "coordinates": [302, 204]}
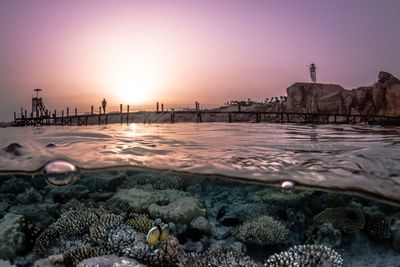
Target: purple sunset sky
{"type": "Point", "coordinates": [176, 52]}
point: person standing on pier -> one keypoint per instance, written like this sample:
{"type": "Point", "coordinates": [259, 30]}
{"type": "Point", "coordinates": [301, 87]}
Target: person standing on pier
{"type": "Point", "coordinates": [104, 105]}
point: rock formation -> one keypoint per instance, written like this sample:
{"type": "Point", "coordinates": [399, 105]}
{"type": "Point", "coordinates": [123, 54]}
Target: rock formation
{"type": "Point", "coordinates": [383, 98]}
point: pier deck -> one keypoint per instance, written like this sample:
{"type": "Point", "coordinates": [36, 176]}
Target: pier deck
{"type": "Point", "coordinates": [204, 116]}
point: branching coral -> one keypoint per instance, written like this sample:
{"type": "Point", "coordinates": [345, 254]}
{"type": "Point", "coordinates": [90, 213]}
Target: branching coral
{"type": "Point", "coordinates": [306, 255]}
{"type": "Point", "coordinates": [349, 220]}
{"type": "Point", "coordinates": [218, 258]}
{"type": "Point", "coordinates": [261, 231]}
{"type": "Point", "coordinates": [141, 223]}
{"type": "Point", "coordinates": [378, 226]}
{"type": "Point", "coordinates": [77, 254]}
{"type": "Point", "coordinates": [71, 223]}
{"type": "Point", "coordinates": [99, 229]}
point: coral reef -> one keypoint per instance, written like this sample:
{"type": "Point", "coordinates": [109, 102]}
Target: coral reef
{"type": "Point", "coordinates": [218, 258]}
{"type": "Point", "coordinates": [159, 182]}
{"type": "Point", "coordinates": [253, 210]}
{"type": "Point", "coordinates": [306, 255]}
{"type": "Point", "coordinates": [141, 223]}
{"type": "Point", "coordinates": [274, 195]}
{"type": "Point", "coordinates": [12, 239]}
{"type": "Point", "coordinates": [324, 234]}
{"type": "Point", "coordinates": [262, 231]}
{"type": "Point", "coordinates": [347, 219]}
{"type": "Point", "coordinates": [165, 253]}
{"type": "Point", "coordinates": [378, 226]}
{"type": "Point", "coordinates": [163, 182]}
{"type": "Point", "coordinates": [31, 195]}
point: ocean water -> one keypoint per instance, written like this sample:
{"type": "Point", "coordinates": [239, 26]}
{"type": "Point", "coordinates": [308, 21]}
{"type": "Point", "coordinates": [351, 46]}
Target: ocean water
{"type": "Point", "coordinates": [200, 195]}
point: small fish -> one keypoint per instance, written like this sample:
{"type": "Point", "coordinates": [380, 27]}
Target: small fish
{"type": "Point", "coordinates": [157, 234]}
{"type": "Point", "coordinates": [164, 233]}
{"type": "Point", "coordinates": [153, 236]}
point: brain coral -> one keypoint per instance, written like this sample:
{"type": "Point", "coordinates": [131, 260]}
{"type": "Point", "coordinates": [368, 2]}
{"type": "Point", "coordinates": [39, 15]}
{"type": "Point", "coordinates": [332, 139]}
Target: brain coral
{"type": "Point", "coordinates": [262, 231]}
{"type": "Point", "coordinates": [306, 255]}
{"type": "Point", "coordinates": [348, 219]}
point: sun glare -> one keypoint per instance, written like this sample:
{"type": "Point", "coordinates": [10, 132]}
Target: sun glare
{"type": "Point", "coordinates": [135, 80]}
{"type": "Point", "coordinates": [135, 87]}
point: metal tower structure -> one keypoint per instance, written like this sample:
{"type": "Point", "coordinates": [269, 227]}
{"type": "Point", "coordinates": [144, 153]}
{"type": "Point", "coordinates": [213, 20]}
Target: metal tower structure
{"type": "Point", "coordinates": [38, 106]}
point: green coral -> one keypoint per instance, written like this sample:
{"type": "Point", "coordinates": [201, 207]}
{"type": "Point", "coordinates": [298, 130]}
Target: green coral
{"type": "Point", "coordinates": [347, 219]}
{"type": "Point", "coordinates": [141, 223]}
{"type": "Point", "coordinates": [378, 226]}
{"type": "Point", "coordinates": [276, 196]}
{"type": "Point", "coordinates": [306, 255]}
{"type": "Point", "coordinates": [219, 258]}
{"type": "Point", "coordinates": [262, 231]}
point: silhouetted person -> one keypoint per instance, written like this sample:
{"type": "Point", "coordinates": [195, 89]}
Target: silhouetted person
{"type": "Point", "coordinates": [104, 105]}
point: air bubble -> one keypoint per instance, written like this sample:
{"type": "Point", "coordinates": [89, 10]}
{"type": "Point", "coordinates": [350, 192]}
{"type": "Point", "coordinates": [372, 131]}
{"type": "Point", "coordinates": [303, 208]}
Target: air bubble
{"type": "Point", "coordinates": [60, 173]}
{"type": "Point", "coordinates": [287, 186]}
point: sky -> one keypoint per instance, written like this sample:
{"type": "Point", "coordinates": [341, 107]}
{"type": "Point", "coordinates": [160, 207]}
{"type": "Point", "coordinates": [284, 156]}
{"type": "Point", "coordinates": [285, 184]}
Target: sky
{"type": "Point", "coordinates": [177, 52]}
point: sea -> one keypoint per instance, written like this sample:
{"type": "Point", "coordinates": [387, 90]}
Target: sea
{"type": "Point", "coordinates": [200, 194]}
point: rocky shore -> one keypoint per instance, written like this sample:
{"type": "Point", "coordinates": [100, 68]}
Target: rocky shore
{"type": "Point", "coordinates": [382, 98]}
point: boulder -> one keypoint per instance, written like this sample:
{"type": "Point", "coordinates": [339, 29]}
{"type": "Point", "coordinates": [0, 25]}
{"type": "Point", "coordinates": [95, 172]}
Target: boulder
{"type": "Point", "coordinates": [139, 200]}
{"type": "Point", "coordinates": [182, 210]}
{"type": "Point", "coordinates": [386, 95]}
{"type": "Point", "coordinates": [202, 224]}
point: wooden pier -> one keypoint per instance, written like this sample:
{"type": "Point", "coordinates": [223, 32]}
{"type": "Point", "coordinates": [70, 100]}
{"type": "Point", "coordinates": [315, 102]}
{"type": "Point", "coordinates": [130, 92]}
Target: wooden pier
{"type": "Point", "coordinates": [196, 115]}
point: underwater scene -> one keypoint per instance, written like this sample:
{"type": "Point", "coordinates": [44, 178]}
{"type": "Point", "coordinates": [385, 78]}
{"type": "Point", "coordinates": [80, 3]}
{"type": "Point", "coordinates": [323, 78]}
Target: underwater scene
{"type": "Point", "coordinates": [271, 195]}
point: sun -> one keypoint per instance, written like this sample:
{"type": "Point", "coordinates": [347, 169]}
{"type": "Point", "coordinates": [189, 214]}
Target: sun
{"type": "Point", "coordinates": [135, 81]}
{"type": "Point", "coordinates": [135, 88]}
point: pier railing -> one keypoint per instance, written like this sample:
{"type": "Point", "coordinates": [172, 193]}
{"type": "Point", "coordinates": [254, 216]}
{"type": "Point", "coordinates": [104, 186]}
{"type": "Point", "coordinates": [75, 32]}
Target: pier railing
{"type": "Point", "coordinates": [195, 115]}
